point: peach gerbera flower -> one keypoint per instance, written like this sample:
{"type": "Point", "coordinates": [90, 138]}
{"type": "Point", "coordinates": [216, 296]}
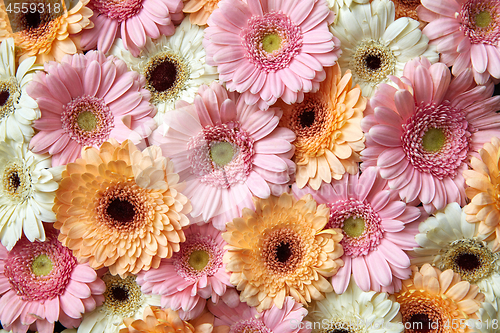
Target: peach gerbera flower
{"type": "Point", "coordinates": [48, 35]}
{"type": "Point", "coordinates": [435, 301]}
{"type": "Point", "coordinates": [121, 208]}
{"type": "Point", "coordinates": [484, 192]}
{"type": "Point", "coordinates": [280, 250]}
{"type": "Point", "coordinates": [158, 320]}
{"type": "Point", "coordinates": [327, 126]}
{"type": "Point", "coordinates": [200, 10]}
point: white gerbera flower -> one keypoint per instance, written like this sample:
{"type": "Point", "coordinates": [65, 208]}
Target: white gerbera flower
{"type": "Point", "coordinates": [447, 241]}
{"type": "Point", "coordinates": [335, 5]}
{"type": "Point", "coordinates": [174, 66]}
{"type": "Point", "coordinates": [122, 299]}
{"type": "Point", "coordinates": [356, 311]}
{"type": "Point", "coordinates": [27, 192]}
{"type": "Point", "coordinates": [17, 109]}
{"type": "Point", "coordinates": [489, 319]}
{"type": "Point", "coordinates": [375, 46]}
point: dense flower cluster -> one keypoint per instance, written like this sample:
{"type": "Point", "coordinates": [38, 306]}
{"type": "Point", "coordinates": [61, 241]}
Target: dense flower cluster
{"type": "Point", "coordinates": [237, 166]}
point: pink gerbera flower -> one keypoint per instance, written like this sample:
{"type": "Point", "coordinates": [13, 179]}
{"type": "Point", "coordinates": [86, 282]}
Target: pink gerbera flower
{"type": "Point", "coordinates": [267, 50]}
{"type": "Point", "coordinates": [235, 316]}
{"type": "Point", "coordinates": [227, 152]}
{"type": "Point", "coordinates": [192, 275]}
{"type": "Point", "coordinates": [132, 20]}
{"type": "Point", "coordinates": [423, 134]}
{"type": "Point", "coordinates": [377, 230]}
{"type": "Point", "coordinates": [41, 283]}
{"type": "Point", "coordinates": [467, 34]}
{"type": "Point", "coordinates": [84, 101]}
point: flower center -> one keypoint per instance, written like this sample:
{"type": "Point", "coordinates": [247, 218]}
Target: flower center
{"type": "Point", "coordinates": [354, 227]}
{"type": "Point", "coordinates": [122, 297]}
{"type": "Point", "coordinates": [121, 210]}
{"type": "Point", "coordinates": [372, 62]}
{"type": "Point", "coordinates": [199, 255]}
{"type": "Point", "coordinates": [221, 152]}
{"type": "Point", "coordinates": [221, 155]}
{"type": "Point", "coordinates": [433, 139]}
{"type": "Point", "coordinates": [39, 270]}
{"type": "Point", "coordinates": [87, 120]}
{"type": "Point", "coordinates": [166, 76]}
{"type": "Point", "coordinates": [483, 19]}
{"type": "Point", "coordinates": [124, 207]}
{"type": "Point", "coordinates": [249, 326]}
{"type": "Point", "coordinates": [470, 258]}
{"type": "Point", "coordinates": [119, 10]}
{"type": "Point", "coordinates": [199, 259]}
{"type": "Point", "coordinates": [4, 96]}
{"type": "Point", "coordinates": [480, 21]}
{"type": "Point", "coordinates": [42, 265]}
{"type": "Point", "coordinates": [282, 251]}
{"type": "Point", "coordinates": [421, 322]}
{"type": "Point", "coordinates": [16, 182]}
{"type": "Point", "coordinates": [444, 135]}
{"type": "Point", "coordinates": [361, 225]}
{"type": "Point", "coordinates": [33, 20]}
{"type": "Point", "coordinates": [313, 124]}
{"type": "Point", "coordinates": [421, 313]}
{"type": "Point", "coordinates": [36, 22]}
{"type": "Point", "coordinates": [271, 41]}
{"type": "Point", "coordinates": [9, 94]}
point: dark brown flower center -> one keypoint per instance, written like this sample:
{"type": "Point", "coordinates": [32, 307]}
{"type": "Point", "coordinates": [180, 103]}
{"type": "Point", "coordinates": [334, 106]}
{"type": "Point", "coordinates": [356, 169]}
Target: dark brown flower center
{"type": "Point", "coordinates": [121, 210]}
{"type": "Point", "coordinates": [468, 261]}
{"type": "Point", "coordinates": [4, 97]}
{"type": "Point", "coordinates": [420, 323]}
{"type": "Point", "coordinates": [307, 117]}
{"type": "Point", "coordinates": [163, 76]}
{"type": "Point", "coordinates": [373, 62]}
{"type": "Point", "coordinates": [120, 294]}
{"type": "Point", "coordinates": [339, 331]}
{"type": "Point", "coordinates": [33, 20]}
{"type": "Point", "coordinates": [14, 181]}
{"type": "Point", "coordinates": [283, 252]}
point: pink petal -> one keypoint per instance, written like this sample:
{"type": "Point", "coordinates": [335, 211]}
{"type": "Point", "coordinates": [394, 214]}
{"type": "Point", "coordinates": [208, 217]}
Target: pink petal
{"type": "Point", "coordinates": [340, 281]}
{"type": "Point", "coordinates": [270, 162]}
{"type": "Point", "coordinates": [379, 268]}
{"type": "Point", "coordinates": [479, 57]}
{"type": "Point", "coordinates": [258, 186]}
{"type": "Point", "coordinates": [360, 273]}
{"type": "Point", "coordinates": [393, 254]}
{"type": "Point", "coordinates": [385, 135]}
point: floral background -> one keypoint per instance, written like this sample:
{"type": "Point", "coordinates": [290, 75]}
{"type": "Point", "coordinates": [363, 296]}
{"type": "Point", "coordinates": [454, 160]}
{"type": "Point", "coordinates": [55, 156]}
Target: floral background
{"type": "Point", "coordinates": [242, 166]}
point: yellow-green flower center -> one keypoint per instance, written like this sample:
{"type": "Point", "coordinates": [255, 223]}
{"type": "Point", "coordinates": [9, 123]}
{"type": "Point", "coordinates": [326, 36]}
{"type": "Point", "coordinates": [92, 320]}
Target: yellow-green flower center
{"type": "Point", "coordinates": [41, 265]}
{"type": "Point", "coordinates": [271, 43]}
{"type": "Point", "coordinates": [434, 139]}
{"type": "Point", "coordinates": [222, 153]}
{"type": "Point", "coordinates": [354, 227]}
{"type": "Point", "coordinates": [87, 121]}
{"type": "Point", "coordinates": [199, 259]}
{"type": "Point", "coordinates": [483, 19]}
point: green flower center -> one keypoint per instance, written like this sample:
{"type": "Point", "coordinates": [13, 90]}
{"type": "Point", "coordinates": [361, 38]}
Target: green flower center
{"type": "Point", "coordinates": [42, 265]}
{"type": "Point", "coordinates": [354, 227]}
{"type": "Point", "coordinates": [483, 19]}
{"type": "Point", "coordinates": [271, 42]}
{"type": "Point", "coordinates": [199, 259]}
{"type": "Point", "coordinates": [87, 121]}
{"type": "Point", "coordinates": [222, 153]}
{"type": "Point", "coordinates": [433, 139]}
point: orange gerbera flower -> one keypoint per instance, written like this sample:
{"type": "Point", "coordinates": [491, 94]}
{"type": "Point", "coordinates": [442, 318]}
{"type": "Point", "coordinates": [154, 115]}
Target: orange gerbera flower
{"type": "Point", "coordinates": [200, 10]}
{"type": "Point", "coordinates": [158, 320]}
{"type": "Point", "coordinates": [280, 250]}
{"type": "Point", "coordinates": [45, 33]}
{"type": "Point", "coordinates": [121, 208]}
{"type": "Point", "coordinates": [435, 301]}
{"type": "Point", "coordinates": [484, 192]}
{"type": "Point", "coordinates": [327, 126]}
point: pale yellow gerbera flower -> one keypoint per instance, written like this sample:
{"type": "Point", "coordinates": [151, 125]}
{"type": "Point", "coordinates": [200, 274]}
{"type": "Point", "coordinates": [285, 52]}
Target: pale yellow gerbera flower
{"type": "Point", "coordinates": [435, 301]}
{"type": "Point", "coordinates": [484, 192]}
{"type": "Point", "coordinates": [121, 208]}
{"type": "Point", "coordinates": [327, 126]}
{"type": "Point", "coordinates": [280, 250]}
{"type": "Point", "coordinates": [45, 33]}
{"type": "Point", "coordinates": [158, 320]}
